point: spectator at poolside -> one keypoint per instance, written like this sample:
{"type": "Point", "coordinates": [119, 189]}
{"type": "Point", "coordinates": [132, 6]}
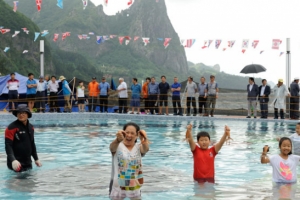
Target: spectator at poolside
{"type": "Point", "coordinates": [13, 94]}
{"type": "Point", "coordinates": [93, 94]}
{"type": "Point", "coordinates": [123, 96]}
{"type": "Point", "coordinates": [145, 94]}
{"type": "Point", "coordinates": [211, 93]}
{"type": "Point", "coordinates": [40, 95]}
{"type": "Point", "coordinates": [136, 90]}
{"type": "Point", "coordinates": [175, 88]}
{"type": "Point", "coordinates": [280, 91]}
{"type": "Point", "coordinates": [253, 92]}
{"type": "Point", "coordinates": [191, 89]}
{"type": "Point", "coordinates": [67, 92]}
{"type": "Point", "coordinates": [264, 92]}
{"type": "Point", "coordinates": [53, 98]}
{"type": "Point", "coordinates": [80, 97]}
{"type": "Point", "coordinates": [294, 100]}
{"type": "Point", "coordinates": [104, 88]}
{"type": "Point", "coordinates": [201, 99]}
{"type": "Point", "coordinates": [153, 95]}
{"type": "Point", "coordinates": [163, 88]}
{"type": "Point", "coordinates": [31, 91]}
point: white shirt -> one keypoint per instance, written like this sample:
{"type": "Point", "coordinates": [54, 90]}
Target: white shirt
{"type": "Point", "coordinates": [250, 87]}
{"type": "Point", "coordinates": [284, 171]}
{"type": "Point", "coordinates": [53, 87]}
{"type": "Point", "coordinates": [41, 86]}
{"type": "Point", "coordinates": [263, 87]}
{"type": "Point", "coordinates": [296, 143]}
{"type": "Point", "coordinates": [80, 92]}
{"type": "Point", "coordinates": [123, 93]}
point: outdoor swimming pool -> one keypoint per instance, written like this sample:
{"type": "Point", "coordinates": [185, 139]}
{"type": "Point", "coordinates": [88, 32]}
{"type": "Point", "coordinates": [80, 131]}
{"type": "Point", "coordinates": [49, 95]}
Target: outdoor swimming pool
{"type": "Point", "coordinates": [77, 162]}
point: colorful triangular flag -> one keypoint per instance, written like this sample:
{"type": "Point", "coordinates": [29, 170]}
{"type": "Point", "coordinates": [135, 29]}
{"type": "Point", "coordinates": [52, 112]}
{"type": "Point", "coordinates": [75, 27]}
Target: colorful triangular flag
{"type": "Point", "coordinates": [121, 40]}
{"type": "Point", "coordinates": [167, 42]}
{"type": "Point", "coordinates": [261, 52]}
{"type": "Point", "coordinates": [99, 39]}
{"type": "Point", "coordinates": [25, 51]}
{"type": "Point", "coordinates": [55, 38]}
{"type": "Point", "coordinates": [85, 3]}
{"type": "Point", "coordinates": [136, 38]}
{"type": "Point", "coordinates": [245, 44]}
{"type": "Point", "coordinates": [44, 33]}
{"type": "Point", "coordinates": [146, 41]}
{"type": "Point", "coordinates": [3, 31]}
{"type": "Point", "coordinates": [281, 53]}
{"type": "Point", "coordinates": [189, 43]}
{"type": "Point", "coordinates": [218, 43]}
{"type": "Point", "coordinates": [6, 49]}
{"type": "Point", "coordinates": [105, 2]}
{"type": "Point", "coordinates": [244, 50]}
{"type": "Point", "coordinates": [38, 4]}
{"type": "Point", "coordinates": [16, 33]}
{"type": "Point", "coordinates": [36, 35]}
{"type": "Point", "coordinates": [60, 4]}
{"type": "Point", "coordinates": [129, 2]}
{"type": "Point", "coordinates": [255, 43]}
{"type": "Point", "coordinates": [276, 43]}
{"type": "Point", "coordinates": [15, 6]}
{"type": "Point", "coordinates": [231, 43]}
{"type": "Point", "coordinates": [65, 35]}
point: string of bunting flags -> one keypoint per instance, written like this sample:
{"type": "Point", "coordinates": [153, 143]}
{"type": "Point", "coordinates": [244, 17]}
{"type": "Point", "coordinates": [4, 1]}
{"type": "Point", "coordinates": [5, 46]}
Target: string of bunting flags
{"type": "Point", "coordinates": [187, 43]}
{"type": "Point", "coordinates": [60, 4]}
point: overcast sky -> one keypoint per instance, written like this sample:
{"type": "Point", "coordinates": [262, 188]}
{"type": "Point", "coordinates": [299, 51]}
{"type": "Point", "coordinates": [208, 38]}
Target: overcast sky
{"type": "Point", "coordinates": [262, 20]}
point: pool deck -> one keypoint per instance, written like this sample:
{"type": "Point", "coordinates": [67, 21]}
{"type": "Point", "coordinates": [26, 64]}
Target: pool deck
{"type": "Point", "coordinates": [86, 116]}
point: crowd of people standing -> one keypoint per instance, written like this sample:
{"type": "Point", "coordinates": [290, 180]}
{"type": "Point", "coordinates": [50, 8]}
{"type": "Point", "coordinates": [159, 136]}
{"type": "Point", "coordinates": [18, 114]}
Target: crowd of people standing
{"type": "Point", "coordinates": [155, 96]}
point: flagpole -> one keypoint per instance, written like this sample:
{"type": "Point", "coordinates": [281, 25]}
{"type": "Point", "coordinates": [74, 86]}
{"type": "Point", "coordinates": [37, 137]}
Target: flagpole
{"type": "Point", "coordinates": [288, 73]}
{"type": "Point", "coordinates": [42, 57]}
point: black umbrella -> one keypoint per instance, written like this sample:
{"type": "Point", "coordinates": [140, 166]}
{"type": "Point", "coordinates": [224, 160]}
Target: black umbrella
{"type": "Point", "coordinates": [253, 69]}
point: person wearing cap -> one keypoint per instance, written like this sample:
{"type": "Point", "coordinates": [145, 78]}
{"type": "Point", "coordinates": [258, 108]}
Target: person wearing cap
{"type": "Point", "coordinates": [19, 141]}
{"type": "Point", "coordinates": [93, 88]}
{"type": "Point", "coordinates": [280, 92]}
{"type": "Point", "coordinates": [40, 94]}
{"type": "Point", "coordinates": [294, 100]}
{"type": "Point", "coordinates": [66, 92]}
{"type": "Point", "coordinates": [253, 92]}
{"type": "Point", "coordinates": [264, 92]}
{"type": "Point", "coordinates": [191, 89]}
{"type": "Point", "coordinates": [123, 96]}
{"type": "Point", "coordinates": [104, 88]}
{"type": "Point", "coordinates": [13, 94]}
{"type": "Point", "coordinates": [31, 91]}
{"type": "Point", "coordinates": [211, 95]}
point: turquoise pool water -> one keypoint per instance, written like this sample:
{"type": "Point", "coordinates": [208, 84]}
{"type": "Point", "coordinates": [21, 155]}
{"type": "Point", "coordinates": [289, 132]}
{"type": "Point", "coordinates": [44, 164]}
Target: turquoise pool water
{"type": "Point", "coordinates": [77, 162]}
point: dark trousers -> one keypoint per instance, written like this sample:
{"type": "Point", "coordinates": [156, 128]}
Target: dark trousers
{"type": "Point", "coordinates": [122, 105]}
{"type": "Point", "coordinates": [146, 103]}
{"type": "Point", "coordinates": [263, 107]}
{"type": "Point", "coordinates": [40, 101]}
{"type": "Point", "coordinates": [92, 103]}
{"type": "Point", "coordinates": [190, 100]}
{"type": "Point", "coordinates": [12, 97]}
{"type": "Point", "coordinates": [103, 103]}
{"type": "Point", "coordinates": [202, 104]}
{"type": "Point", "coordinates": [152, 101]}
{"type": "Point", "coordinates": [54, 102]}
{"type": "Point", "coordinates": [211, 100]}
{"type": "Point", "coordinates": [176, 101]}
{"type": "Point", "coordinates": [294, 108]}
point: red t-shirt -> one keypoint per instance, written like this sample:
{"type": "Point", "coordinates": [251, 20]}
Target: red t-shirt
{"type": "Point", "coordinates": [204, 162]}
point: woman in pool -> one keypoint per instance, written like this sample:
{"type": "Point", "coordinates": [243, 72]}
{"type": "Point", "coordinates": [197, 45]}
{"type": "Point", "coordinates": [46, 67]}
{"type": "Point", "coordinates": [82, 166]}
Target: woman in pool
{"type": "Point", "coordinates": [284, 164]}
{"type": "Point", "coordinates": [127, 174]}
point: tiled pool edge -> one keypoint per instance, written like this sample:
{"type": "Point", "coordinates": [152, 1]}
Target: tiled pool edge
{"type": "Point", "coordinates": [95, 116]}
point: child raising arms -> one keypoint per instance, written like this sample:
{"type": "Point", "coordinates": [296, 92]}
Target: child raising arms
{"type": "Point", "coordinates": [204, 157]}
{"type": "Point", "coordinates": [284, 164]}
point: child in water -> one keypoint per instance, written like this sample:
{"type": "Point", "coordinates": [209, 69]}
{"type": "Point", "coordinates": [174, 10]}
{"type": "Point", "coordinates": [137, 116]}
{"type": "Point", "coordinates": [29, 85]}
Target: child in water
{"type": "Point", "coordinates": [295, 140]}
{"type": "Point", "coordinates": [284, 164]}
{"type": "Point", "coordinates": [204, 157]}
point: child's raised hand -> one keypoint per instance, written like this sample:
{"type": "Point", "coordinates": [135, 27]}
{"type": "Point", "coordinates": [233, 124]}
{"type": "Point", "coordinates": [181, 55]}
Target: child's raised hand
{"type": "Point", "coordinates": [227, 132]}
{"type": "Point", "coordinates": [266, 149]}
{"type": "Point", "coordinates": [189, 127]}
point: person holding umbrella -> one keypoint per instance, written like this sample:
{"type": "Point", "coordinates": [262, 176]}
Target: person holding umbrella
{"type": "Point", "coordinates": [280, 92]}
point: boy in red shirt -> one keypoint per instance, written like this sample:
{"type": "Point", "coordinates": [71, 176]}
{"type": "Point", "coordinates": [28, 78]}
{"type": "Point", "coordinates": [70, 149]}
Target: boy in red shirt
{"type": "Point", "coordinates": [204, 157]}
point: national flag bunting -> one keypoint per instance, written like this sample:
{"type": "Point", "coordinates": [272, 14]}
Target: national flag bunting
{"type": "Point", "coordinates": [146, 41]}
{"type": "Point", "coordinates": [38, 4]}
{"type": "Point", "coordinates": [255, 43]}
{"type": "Point", "coordinates": [85, 3]}
{"type": "Point", "coordinates": [15, 6]}
{"type": "Point", "coordinates": [218, 43]}
{"type": "Point", "coordinates": [245, 44]}
{"type": "Point", "coordinates": [167, 42]}
{"type": "Point", "coordinates": [231, 43]}
{"type": "Point", "coordinates": [65, 35]}
{"type": "Point", "coordinates": [276, 43]}
{"type": "Point", "coordinates": [99, 39]}
{"type": "Point", "coordinates": [189, 43]}
{"type": "Point", "coordinates": [55, 37]}
{"type": "Point", "coordinates": [121, 40]}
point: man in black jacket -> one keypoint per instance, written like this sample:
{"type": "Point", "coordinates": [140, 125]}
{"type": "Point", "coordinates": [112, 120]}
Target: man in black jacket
{"type": "Point", "coordinates": [19, 141]}
{"type": "Point", "coordinates": [252, 90]}
{"type": "Point", "coordinates": [294, 106]}
{"type": "Point", "coordinates": [264, 92]}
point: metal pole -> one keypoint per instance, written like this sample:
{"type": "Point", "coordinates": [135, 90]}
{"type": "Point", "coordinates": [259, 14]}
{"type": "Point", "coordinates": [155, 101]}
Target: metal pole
{"type": "Point", "coordinates": [42, 57]}
{"type": "Point", "coordinates": [288, 73]}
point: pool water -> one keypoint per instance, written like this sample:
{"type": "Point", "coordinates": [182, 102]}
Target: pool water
{"type": "Point", "coordinates": [77, 162]}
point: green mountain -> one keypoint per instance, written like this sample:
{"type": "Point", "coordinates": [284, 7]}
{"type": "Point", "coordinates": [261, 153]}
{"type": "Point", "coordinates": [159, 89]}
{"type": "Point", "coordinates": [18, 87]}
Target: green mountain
{"type": "Point", "coordinates": [143, 19]}
{"type": "Point", "coordinates": [224, 80]}
{"type": "Point", "coordinates": [57, 61]}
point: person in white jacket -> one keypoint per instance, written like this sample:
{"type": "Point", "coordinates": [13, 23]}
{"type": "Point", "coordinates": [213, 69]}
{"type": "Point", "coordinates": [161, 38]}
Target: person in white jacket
{"type": "Point", "coordinates": [280, 93]}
